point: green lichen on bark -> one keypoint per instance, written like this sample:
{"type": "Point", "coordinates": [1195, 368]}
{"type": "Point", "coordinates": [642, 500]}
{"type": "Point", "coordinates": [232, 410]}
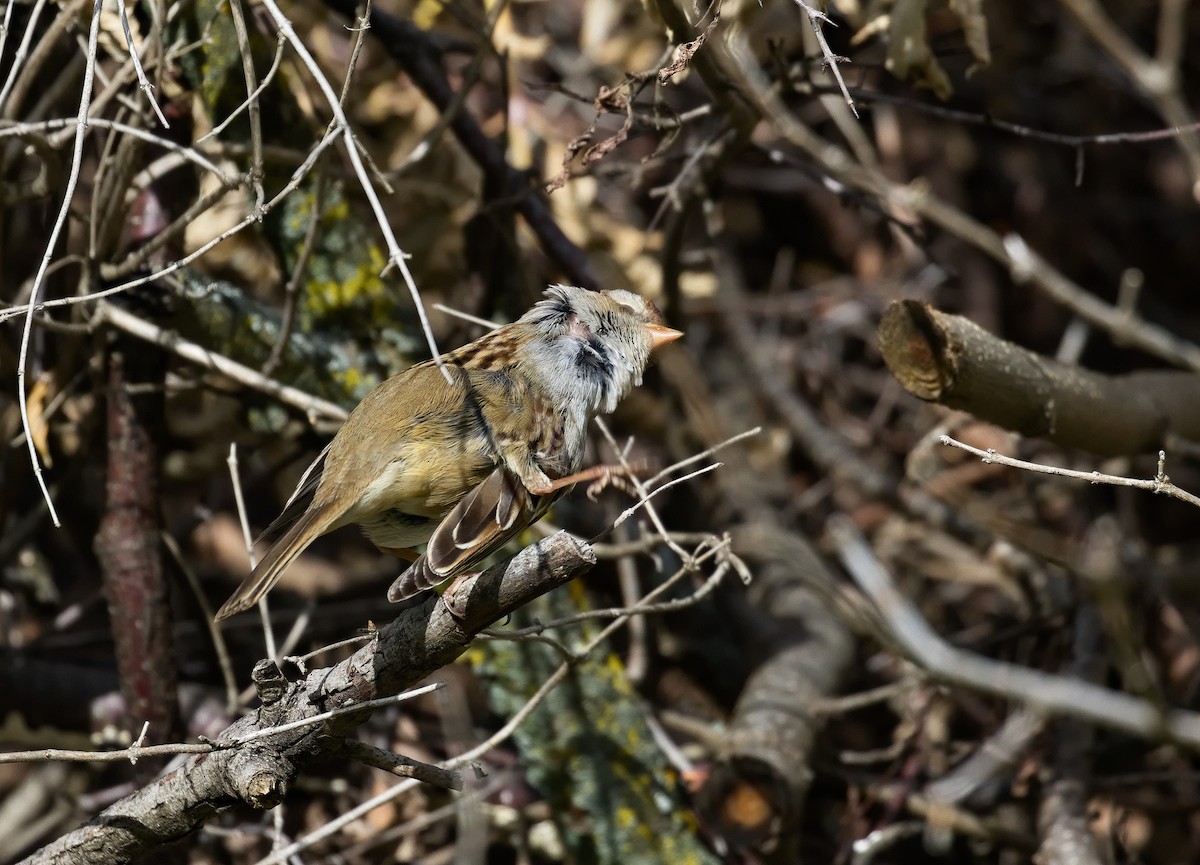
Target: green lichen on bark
{"type": "Point", "coordinates": [589, 750]}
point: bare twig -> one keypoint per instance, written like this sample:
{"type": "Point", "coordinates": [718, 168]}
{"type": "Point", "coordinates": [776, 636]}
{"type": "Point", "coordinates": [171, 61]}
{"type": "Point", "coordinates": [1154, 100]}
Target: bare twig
{"type": "Point", "coordinates": [721, 551]}
{"type": "Point", "coordinates": [191, 154]}
{"type": "Point", "coordinates": [59, 223]}
{"type": "Point", "coordinates": [322, 717]}
{"type": "Point", "coordinates": [816, 18]}
{"type": "Point", "coordinates": [206, 615]}
{"type": "Point", "coordinates": [130, 754]}
{"type": "Point", "coordinates": [252, 97]}
{"type": "Point", "coordinates": [645, 497]}
{"type": "Point", "coordinates": [143, 84]}
{"type": "Point", "coordinates": [314, 407]}
{"type": "Point", "coordinates": [643, 493]}
{"type": "Point", "coordinates": [396, 257]}
{"type": "Point", "coordinates": [264, 610]}
{"type": "Point", "coordinates": [297, 176]}
{"type": "Point", "coordinates": [1160, 483]}
{"type": "Point", "coordinates": [252, 112]}
{"type": "Point", "coordinates": [398, 764]}
{"type": "Point", "coordinates": [291, 291]}
{"type": "Point", "coordinates": [18, 60]}
{"type": "Point", "coordinates": [1157, 77]}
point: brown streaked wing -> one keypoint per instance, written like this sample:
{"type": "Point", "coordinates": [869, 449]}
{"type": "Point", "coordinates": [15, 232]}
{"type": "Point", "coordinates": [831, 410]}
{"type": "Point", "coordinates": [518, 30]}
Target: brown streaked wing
{"type": "Point", "coordinates": [479, 525]}
{"type": "Point", "coordinates": [491, 352]}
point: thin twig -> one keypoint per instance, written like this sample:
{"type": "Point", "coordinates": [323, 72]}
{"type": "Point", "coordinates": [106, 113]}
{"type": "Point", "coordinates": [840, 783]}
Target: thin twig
{"type": "Point", "coordinates": [642, 492]}
{"type": "Point", "coordinates": [331, 827]}
{"type": "Point", "coordinates": [130, 754]}
{"type": "Point", "coordinates": [297, 176]}
{"type": "Point", "coordinates": [469, 77]}
{"type": "Point", "coordinates": [466, 316]}
{"type": "Point", "coordinates": [816, 17]}
{"type": "Point", "coordinates": [396, 257]}
{"type": "Point", "coordinates": [18, 61]}
{"type": "Point", "coordinates": [253, 97]}
{"type": "Point", "coordinates": [253, 113]}
{"type": "Point", "coordinates": [313, 406]}
{"type": "Point", "coordinates": [334, 713]}
{"type": "Point", "coordinates": [1160, 483]}
{"type": "Point", "coordinates": [632, 611]}
{"type": "Point", "coordinates": [704, 454]}
{"type": "Point", "coordinates": [263, 610]}
{"type": "Point", "coordinates": [18, 130]}
{"type": "Point", "coordinates": [38, 280]}
{"type": "Point", "coordinates": [644, 500]}
{"type": "Point", "coordinates": [291, 292]}
{"type": "Point", "coordinates": [206, 614]}
{"type": "Point", "coordinates": [143, 84]}
{"type": "Point", "coordinates": [398, 764]}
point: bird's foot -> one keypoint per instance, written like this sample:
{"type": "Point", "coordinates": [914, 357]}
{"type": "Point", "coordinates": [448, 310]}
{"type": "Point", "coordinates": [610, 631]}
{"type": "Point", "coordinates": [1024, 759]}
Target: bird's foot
{"type": "Point", "coordinates": [452, 596]}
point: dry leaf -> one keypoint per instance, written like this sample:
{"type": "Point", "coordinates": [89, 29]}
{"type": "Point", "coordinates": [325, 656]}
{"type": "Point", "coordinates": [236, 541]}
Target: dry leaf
{"type": "Point", "coordinates": [39, 426]}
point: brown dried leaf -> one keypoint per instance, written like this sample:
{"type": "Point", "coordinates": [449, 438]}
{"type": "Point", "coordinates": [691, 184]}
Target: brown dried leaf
{"type": "Point", "coordinates": [39, 426]}
{"type": "Point", "coordinates": [685, 52]}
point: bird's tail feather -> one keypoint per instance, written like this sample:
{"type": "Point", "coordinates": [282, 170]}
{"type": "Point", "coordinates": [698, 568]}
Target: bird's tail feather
{"type": "Point", "coordinates": [311, 525]}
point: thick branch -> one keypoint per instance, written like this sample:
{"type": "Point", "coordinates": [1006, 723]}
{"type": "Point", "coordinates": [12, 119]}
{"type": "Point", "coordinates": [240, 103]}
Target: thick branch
{"type": "Point", "coordinates": [418, 642]}
{"type": "Point", "coordinates": [952, 361]}
{"type": "Point", "coordinates": [128, 547]}
{"type": "Point", "coordinates": [756, 792]}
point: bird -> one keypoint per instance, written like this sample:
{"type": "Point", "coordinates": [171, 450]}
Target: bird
{"type": "Point", "coordinates": [466, 464]}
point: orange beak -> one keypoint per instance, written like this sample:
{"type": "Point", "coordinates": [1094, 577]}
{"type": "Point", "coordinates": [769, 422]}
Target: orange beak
{"type": "Point", "coordinates": [660, 335]}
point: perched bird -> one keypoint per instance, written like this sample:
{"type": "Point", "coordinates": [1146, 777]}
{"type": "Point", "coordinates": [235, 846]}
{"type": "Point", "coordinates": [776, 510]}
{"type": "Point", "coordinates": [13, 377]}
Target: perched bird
{"type": "Point", "coordinates": [467, 464]}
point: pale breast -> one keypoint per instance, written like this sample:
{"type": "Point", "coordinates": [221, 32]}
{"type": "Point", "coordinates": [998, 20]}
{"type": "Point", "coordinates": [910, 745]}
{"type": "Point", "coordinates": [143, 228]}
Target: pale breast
{"type": "Point", "coordinates": [395, 528]}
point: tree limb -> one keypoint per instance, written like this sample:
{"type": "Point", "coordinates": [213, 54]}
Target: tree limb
{"type": "Point", "coordinates": [419, 641]}
{"type": "Point", "coordinates": [951, 360]}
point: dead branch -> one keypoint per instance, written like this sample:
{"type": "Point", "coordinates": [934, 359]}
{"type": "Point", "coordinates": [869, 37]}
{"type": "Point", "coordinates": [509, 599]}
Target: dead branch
{"type": "Point", "coordinates": [766, 753]}
{"type": "Point", "coordinates": [128, 549]}
{"type": "Point", "coordinates": [1056, 695]}
{"type": "Point", "coordinates": [954, 362]}
{"type": "Point", "coordinates": [418, 642]}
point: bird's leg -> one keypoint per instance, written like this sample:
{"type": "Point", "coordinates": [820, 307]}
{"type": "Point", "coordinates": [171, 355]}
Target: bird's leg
{"type": "Point", "coordinates": [401, 553]}
{"type": "Point", "coordinates": [600, 476]}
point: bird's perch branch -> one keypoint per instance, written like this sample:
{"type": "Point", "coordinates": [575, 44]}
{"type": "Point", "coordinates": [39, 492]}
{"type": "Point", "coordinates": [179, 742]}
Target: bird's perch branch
{"type": "Point", "coordinates": [418, 642]}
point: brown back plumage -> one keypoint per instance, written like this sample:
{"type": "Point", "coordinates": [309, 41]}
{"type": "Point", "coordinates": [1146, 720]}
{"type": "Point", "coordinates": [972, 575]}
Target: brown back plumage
{"type": "Point", "coordinates": [466, 464]}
